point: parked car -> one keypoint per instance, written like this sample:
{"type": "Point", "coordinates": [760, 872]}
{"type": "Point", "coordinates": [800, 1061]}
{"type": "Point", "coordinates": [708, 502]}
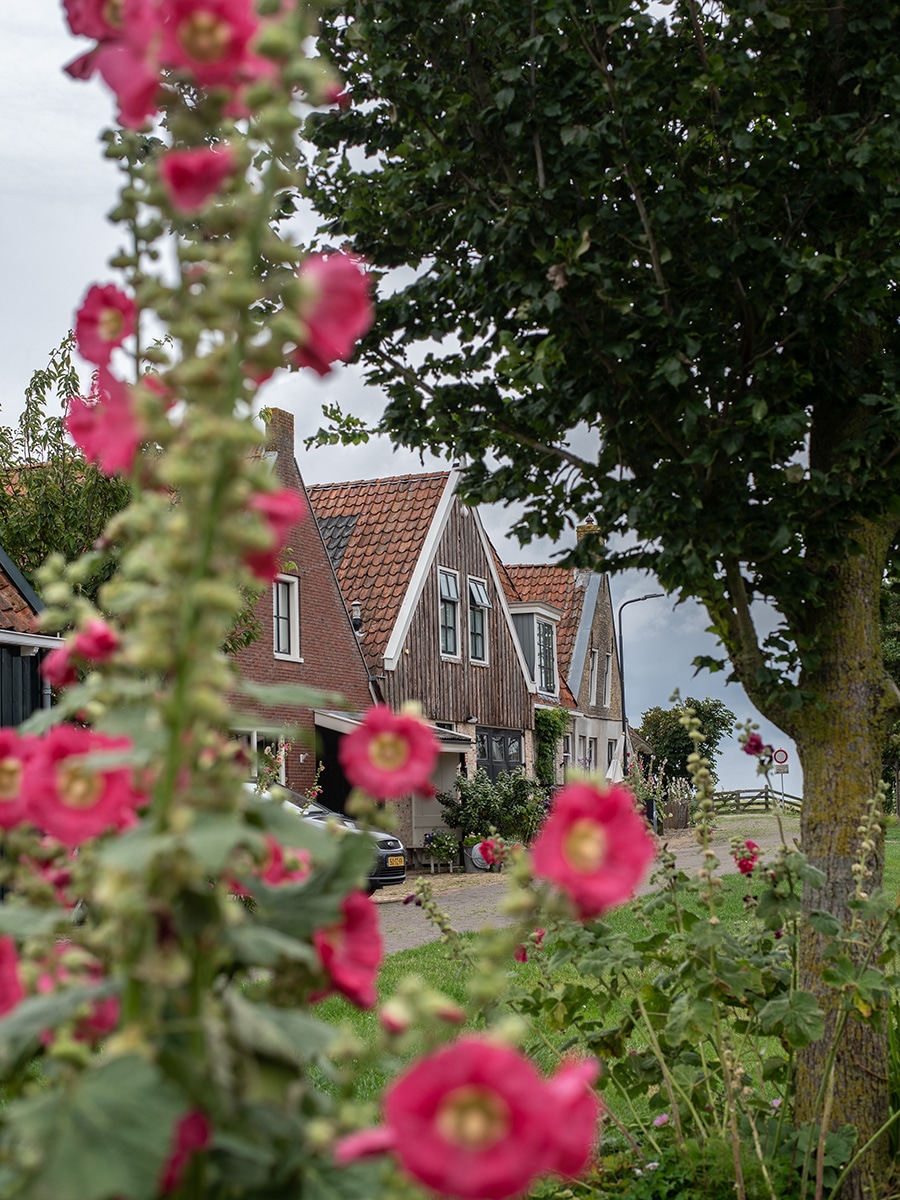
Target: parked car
{"type": "Point", "coordinates": [390, 861]}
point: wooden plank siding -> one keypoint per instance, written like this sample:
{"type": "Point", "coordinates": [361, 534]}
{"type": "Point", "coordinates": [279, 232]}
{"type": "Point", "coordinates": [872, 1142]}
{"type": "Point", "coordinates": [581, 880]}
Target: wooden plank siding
{"type": "Point", "coordinates": [451, 690]}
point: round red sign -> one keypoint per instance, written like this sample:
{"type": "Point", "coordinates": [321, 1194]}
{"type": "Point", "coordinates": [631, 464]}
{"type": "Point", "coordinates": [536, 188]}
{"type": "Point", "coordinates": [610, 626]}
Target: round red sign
{"type": "Point", "coordinates": [780, 757]}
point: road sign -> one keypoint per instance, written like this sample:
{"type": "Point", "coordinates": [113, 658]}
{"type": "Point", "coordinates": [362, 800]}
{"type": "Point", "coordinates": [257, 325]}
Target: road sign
{"type": "Point", "coordinates": [781, 769]}
{"type": "Point", "coordinates": [780, 757]}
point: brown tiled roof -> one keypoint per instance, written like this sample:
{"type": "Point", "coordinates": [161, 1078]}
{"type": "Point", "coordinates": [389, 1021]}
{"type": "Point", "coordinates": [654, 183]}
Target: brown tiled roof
{"type": "Point", "coordinates": [375, 530]}
{"type": "Point", "coordinates": [556, 586]}
{"type": "Point", "coordinates": [15, 611]}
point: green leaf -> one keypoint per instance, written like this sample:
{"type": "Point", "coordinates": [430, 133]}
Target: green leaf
{"type": "Point", "coordinates": [274, 695]}
{"type": "Point", "coordinates": [257, 945]}
{"type": "Point", "coordinates": [210, 840]}
{"type": "Point", "coordinates": [283, 1034]}
{"type": "Point", "coordinates": [21, 1030]}
{"type": "Point", "coordinates": [796, 1016]}
{"type": "Point", "coordinates": [24, 920]}
{"type": "Point", "coordinates": [107, 1135]}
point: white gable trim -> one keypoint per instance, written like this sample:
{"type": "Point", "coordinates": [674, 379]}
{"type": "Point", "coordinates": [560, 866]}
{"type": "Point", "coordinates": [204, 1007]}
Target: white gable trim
{"type": "Point", "coordinates": [504, 605]}
{"type": "Point", "coordinates": [583, 635]}
{"type": "Point", "coordinates": [420, 574]}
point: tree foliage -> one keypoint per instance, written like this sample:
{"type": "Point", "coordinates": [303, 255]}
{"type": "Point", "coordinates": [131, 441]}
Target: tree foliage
{"type": "Point", "coordinates": [664, 731]}
{"type": "Point", "coordinates": [51, 499]}
{"type": "Point", "coordinates": [654, 283]}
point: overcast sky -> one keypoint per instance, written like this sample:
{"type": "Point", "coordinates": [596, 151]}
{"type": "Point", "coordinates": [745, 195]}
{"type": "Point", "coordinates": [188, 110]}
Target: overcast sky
{"type": "Point", "coordinates": [55, 188]}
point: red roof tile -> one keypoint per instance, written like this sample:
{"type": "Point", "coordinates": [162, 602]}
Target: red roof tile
{"type": "Point", "coordinates": [551, 585]}
{"type": "Point", "coordinates": [377, 521]}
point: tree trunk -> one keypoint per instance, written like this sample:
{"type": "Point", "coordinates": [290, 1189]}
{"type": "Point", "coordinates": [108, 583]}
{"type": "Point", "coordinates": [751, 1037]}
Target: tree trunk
{"type": "Point", "coordinates": [839, 741]}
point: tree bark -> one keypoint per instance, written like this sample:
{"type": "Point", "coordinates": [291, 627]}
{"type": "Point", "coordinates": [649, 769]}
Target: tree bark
{"type": "Point", "coordinates": [839, 742]}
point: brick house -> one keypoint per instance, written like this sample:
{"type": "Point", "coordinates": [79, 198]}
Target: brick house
{"type": "Point", "coordinates": [421, 580]}
{"type": "Point", "coordinates": [307, 639]}
{"type": "Point", "coordinates": [22, 690]}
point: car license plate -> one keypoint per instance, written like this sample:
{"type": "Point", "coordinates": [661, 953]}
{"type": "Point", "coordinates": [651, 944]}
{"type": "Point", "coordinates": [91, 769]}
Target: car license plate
{"type": "Point", "coordinates": [396, 860]}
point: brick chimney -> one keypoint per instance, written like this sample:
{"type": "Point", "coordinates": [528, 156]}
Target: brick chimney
{"type": "Point", "coordinates": [280, 431]}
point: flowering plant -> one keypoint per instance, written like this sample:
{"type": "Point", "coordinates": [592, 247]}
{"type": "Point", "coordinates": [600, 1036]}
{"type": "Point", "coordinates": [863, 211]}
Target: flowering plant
{"type": "Point", "coordinates": [441, 845]}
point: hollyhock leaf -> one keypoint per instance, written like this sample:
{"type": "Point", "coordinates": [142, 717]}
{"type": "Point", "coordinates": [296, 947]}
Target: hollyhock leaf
{"type": "Point", "coordinates": [23, 920]}
{"type": "Point", "coordinates": [21, 1030]}
{"type": "Point", "coordinates": [210, 840]}
{"type": "Point", "coordinates": [285, 1035]}
{"type": "Point", "coordinates": [299, 912]}
{"type": "Point", "coordinates": [795, 1016]}
{"type": "Point", "coordinates": [256, 945]}
{"type": "Point", "coordinates": [286, 825]}
{"type": "Point", "coordinates": [275, 694]}
{"type": "Point", "coordinates": [108, 1134]}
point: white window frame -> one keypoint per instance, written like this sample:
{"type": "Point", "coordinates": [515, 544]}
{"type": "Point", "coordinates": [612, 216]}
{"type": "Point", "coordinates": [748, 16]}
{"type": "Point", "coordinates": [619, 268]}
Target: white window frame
{"type": "Point", "coordinates": [479, 603]}
{"type": "Point", "coordinates": [612, 744]}
{"type": "Point", "coordinates": [450, 574]}
{"type": "Point", "coordinates": [607, 680]}
{"type": "Point", "coordinates": [592, 685]}
{"type": "Point", "coordinates": [292, 617]}
{"type": "Point", "coordinates": [592, 754]}
{"type": "Point", "coordinates": [539, 665]}
{"type": "Point", "coordinates": [254, 741]}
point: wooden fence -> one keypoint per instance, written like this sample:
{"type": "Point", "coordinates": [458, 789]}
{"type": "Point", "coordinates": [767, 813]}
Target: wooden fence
{"type": "Point", "coordinates": [764, 799]}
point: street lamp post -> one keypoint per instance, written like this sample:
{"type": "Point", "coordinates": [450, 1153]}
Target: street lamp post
{"type": "Point", "coordinates": [651, 813]}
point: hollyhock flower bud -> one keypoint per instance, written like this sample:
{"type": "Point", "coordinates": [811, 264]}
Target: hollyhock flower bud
{"type": "Point", "coordinates": [351, 951]}
{"type": "Point", "coordinates": [14, 752]}
{"type": "Point", "coordinates": [389, 755]}
{"type": "Point", "coordinates": [105, 428]}
{"type": "Point", "coordinates": [281, 511]}
{"type": "Point", "coordinates": [475, 1120]}
{"type": "Point", "coordinates": [193, 1134]}
{"type": "Point", "coordinates": [192, 177]}
{"type": "Point", "coordinates": [69, 964]}
{"type": "Point", "coordinates": [594, 847]}
{"type": "Point", "coordinates": [104, 321]}
{"type": "Point", "coordinates": [73, 803]}
{"type": "Point", "coordinates": [11, 991]}
{"type": "Point", "coordinates": [395, 1015]}
{"type": "Point", "coordinates": [337, 313]}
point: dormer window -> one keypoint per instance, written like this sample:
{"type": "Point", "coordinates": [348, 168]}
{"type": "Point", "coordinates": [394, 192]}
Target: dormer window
{"type": "Point", "coordinates": [546, 656]}
{"type": "Point", "coordinates": [449, 612]}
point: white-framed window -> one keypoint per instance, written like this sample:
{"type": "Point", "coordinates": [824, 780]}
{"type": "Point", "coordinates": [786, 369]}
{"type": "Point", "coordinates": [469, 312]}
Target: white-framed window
{"type": "Point", "coordinates": [611, 744]}
{"type": "Point", "coordinates": [607, 680]}
{"type": "Point", "coordinates": [479, 603]}
{"type": "Point", "coordinates": [582, 752]}
{"type": "Point", "coordinates": [259, 743]}
{"type": "Point", "coordinates": [592, 754]}
{"type": "Point", "coordinates": [545, 636]}
{"type": "Point", "coordinates": [286, 617]}
{"type": "Point", "coordinates": [566, 751]}
{"type": "Point", "coordinates": [448, 593]}
{"type": "Point", "coordinates": [592, 686]}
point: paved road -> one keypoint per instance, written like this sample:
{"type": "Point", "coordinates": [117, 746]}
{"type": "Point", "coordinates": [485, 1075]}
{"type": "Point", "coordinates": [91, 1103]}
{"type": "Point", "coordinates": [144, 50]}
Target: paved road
{"type": "Point", "coordinates": [472, 901]}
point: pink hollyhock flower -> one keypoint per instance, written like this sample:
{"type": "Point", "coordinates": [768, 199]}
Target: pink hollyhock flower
{"type": "Point", "coordinates": [336, 314]}
{"type": "Point", "coordinates": [754, 745]}
{"type": "Point", "coordinates": [476, 1121]}
{"type": "Point", "coordinates": [747, 857]}
{"type": "Point", "coordinates": [14, 753]}
{"type": "Point", "coordinates": [73, 803]}
{"type": "Point", "coordinates": [58, 668]}
{"type": "Point", "coordinates": [578, 1110]}
{"type": "Point", "coordinates": [490, 851]}
{"type": "Point", "coordinates": [104, 321]}
{"type": "Point", "coordinates": [594, 847]}
{"type": "Point", "coordinates": [99, 19]}
{"type": "Point", "coordinates": [210, 39]}
{"type": "Point", "coordinates": [278, 869]}
{"type": "Point", "coordinates": [193, 1134]}
{"type": "Point", "coordinates": [97, 641]}
{"type": "Point", "coordinates": [72, 965]}
{"type": "Point", "coordinates": [351, 951]}
{"type": "Point", "coordinates": [191, 177]}
{"type": "Point", "coordinates": [11, 991]}
{"type": "Point", "coordinates": [105, 428]}
{"type": "Point", "coordinates": [281, 511]}
{"type": "Point", "coordinates": [389, 755]}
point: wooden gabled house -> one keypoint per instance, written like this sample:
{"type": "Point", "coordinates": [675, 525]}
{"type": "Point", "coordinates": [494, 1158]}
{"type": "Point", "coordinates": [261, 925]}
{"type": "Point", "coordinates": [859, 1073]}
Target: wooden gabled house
{"type": "Point", "coordinates": [22, 689]}
{"type": "Point", "coordinates": [420, 579]}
